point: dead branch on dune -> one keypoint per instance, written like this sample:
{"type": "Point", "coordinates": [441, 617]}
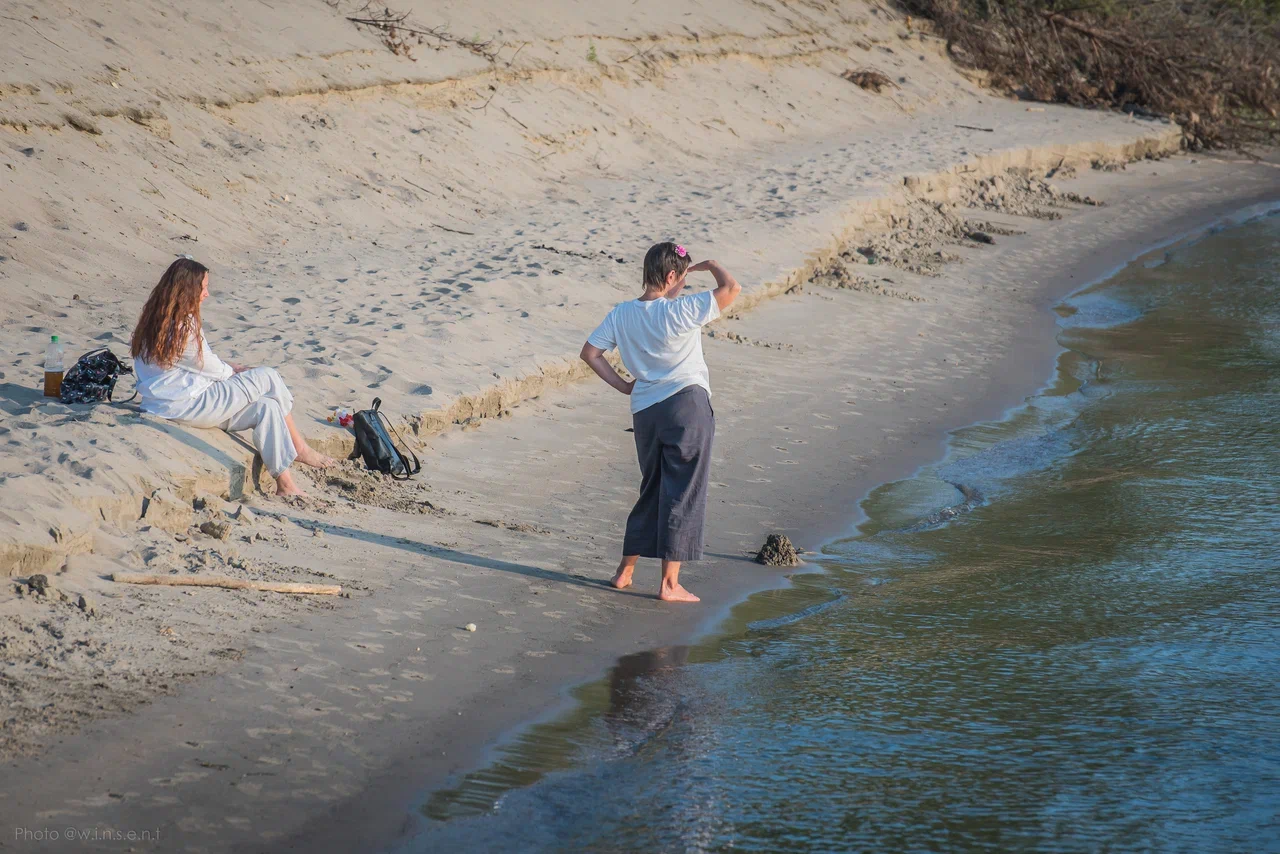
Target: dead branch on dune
{"type": "Point", "coordinates": [401, 35]}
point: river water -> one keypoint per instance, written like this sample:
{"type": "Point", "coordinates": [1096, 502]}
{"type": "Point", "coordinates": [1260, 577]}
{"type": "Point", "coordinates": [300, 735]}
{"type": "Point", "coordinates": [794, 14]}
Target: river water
{"type": "Point", "coordinates": [1063, 637]}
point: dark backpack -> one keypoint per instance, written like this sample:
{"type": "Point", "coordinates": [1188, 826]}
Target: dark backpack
{"type": "Point", "coordinates": [92, 379]}
{"type": "Point", "coordinates": [373, 442]}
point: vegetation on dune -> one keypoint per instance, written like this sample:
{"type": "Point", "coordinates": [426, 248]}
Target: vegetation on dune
{"type": "Point", "coordinates": [1213, 66]}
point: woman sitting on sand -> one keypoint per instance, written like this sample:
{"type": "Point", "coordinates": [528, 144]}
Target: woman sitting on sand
{"type": "Point", "coordinates": [180, 379]}
{"type": "Point", "coordinates": [659, 338]}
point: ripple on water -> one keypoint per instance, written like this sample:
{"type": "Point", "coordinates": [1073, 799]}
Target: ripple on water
{"type": "Point", "coordinates": [1087, 661]}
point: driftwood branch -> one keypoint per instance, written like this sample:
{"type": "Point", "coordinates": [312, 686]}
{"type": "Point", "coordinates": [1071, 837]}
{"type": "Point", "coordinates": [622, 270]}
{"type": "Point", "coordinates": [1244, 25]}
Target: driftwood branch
{"type": "Point", "coordinates": [399, 32]}
{"type": "Point", "coordinates": [453, 230]}
{"type": "Point", "coordinates": [37, 32]}
{"type": "Point", "coordinates": [1093, 32]}
{"type": "Point", "coordinates": [514, 119]}
{"type": "Point", "coordinates": [227, 583]}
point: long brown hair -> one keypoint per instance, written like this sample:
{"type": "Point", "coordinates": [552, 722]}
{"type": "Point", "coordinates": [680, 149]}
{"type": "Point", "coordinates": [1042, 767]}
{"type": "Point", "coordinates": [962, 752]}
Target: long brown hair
{"type": "Point", "coordinates": [171, 315]}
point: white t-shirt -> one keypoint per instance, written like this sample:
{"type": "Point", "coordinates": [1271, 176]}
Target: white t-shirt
{"type": "Point", "coordinates": [168, 392]}
{"type": "Point", "coordinates": [660, 343]}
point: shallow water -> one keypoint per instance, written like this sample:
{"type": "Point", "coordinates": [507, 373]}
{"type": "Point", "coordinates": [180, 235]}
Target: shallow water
{"type": "Point", "coordinates": [1064, 637]}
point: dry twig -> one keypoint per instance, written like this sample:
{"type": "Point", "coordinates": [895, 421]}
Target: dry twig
{"type": "Point", "coordinates": [400, 34]}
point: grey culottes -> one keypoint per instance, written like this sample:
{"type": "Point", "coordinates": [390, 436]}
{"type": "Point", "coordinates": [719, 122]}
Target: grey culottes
{"type": "Point", "coordinates": [673, 445]}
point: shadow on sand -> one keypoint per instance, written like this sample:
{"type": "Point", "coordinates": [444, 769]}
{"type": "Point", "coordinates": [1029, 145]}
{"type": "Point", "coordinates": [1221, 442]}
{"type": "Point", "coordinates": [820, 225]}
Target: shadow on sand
{"type": "Point", "coordinates": [465, 558]}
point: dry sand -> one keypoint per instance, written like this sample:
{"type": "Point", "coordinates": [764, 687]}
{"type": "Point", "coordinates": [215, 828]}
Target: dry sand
{"type": "Point", "coordinates": [327, 181]}
{"type": "Point", "coordinates": [439, 232]}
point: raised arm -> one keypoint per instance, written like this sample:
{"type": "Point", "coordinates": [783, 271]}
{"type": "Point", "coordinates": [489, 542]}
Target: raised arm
{"type": "Point", "coordinates": [727, 287]}
{"type": "Point", "coordinates": [594, 357]}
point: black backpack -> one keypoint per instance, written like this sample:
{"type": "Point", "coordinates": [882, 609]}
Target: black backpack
{"type": "Point", "coordinates": [373, 442]}
{"type": "Point", "coordinates": [92, 379]}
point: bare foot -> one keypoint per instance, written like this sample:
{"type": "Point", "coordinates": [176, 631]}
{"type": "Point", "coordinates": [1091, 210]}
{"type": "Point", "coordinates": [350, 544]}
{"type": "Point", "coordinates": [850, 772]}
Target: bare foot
{"type": "Point", "coordinates": [285, 486]}
{"type": "Point", "coordinates": [311, 457]}
{"type": "Point", "coordinates": [622, 579]}
{"type": "Point", "coordinates": [677, 594]}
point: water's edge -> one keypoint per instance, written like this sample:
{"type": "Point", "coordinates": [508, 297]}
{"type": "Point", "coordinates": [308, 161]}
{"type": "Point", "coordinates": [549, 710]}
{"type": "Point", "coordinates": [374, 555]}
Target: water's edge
{"type": "Point", "coordinates": [786, 592]}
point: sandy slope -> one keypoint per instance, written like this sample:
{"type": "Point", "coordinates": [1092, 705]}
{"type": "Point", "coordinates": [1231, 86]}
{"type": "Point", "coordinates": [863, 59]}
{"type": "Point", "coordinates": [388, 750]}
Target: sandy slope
{"type": "Point", "coordinates": [327, 181]}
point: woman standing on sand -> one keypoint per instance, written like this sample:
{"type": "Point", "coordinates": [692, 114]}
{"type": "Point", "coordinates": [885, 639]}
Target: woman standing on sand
{"type": "Point", "coordinates": [180, 379]}
{"type": "Point", "coordinates": [659, 339]}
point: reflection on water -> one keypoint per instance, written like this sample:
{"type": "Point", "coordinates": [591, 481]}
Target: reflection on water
{"type": "Point", "coordinates": [1087, 659]}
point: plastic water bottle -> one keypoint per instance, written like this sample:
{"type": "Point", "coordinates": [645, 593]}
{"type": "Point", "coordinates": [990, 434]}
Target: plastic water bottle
{"type": "Point", "coordinates": [53, 368]}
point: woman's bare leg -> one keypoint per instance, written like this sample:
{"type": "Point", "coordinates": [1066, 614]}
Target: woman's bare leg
{"type": "Point", "coordinates": [285, 485]}
{"type": "Point", "coordinates": [307, 455]}
{"type": "Point", "coordinates": [671, 591]}
{"type": "Point", "coordinates": [622, 578]}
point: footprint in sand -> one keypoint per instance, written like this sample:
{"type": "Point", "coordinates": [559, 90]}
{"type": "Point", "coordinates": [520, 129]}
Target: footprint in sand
{"type": "Point", "coordinates": [178, 779]}
{"type": "Point", "coordinates": [416, 676]}
{"type": "Point", "coordinates": [309, 713]}
{"type": "Point", "coordinates": [366, 648]}
{"type": "Point", "coordinates": [257, 733]}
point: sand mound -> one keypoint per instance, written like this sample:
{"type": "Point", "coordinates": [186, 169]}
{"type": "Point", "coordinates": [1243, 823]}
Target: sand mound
{"type": "Point", "coordinates": [778, 551]}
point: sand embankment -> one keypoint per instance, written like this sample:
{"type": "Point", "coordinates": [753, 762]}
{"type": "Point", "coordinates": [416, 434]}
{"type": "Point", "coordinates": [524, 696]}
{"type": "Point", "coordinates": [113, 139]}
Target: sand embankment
{"type": "Point", "coordinates": [439, 231]}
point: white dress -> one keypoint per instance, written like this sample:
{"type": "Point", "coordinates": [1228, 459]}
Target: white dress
{"type": "Point", "coordinates": [203, 391]}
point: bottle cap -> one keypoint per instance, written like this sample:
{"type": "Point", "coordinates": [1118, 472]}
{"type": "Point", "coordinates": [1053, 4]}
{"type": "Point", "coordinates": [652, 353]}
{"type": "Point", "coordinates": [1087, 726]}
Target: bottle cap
{"type": "Point", "coordinates": [53, 337]}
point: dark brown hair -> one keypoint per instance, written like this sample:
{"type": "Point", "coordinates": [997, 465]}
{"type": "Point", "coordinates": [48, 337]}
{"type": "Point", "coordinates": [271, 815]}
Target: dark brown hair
{"type": "Point", "coordinates": [661, 260]}
{"type": "Point", "coordinates": [171, 315]}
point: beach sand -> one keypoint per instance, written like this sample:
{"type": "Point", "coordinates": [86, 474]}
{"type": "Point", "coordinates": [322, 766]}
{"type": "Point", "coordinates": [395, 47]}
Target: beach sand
{"type": "Point", "coordinates": [318, 721]}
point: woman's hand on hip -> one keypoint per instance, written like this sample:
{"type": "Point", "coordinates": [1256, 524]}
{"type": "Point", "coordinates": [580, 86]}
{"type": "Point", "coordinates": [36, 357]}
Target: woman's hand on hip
{"type": "Point", "coordinates": [627, 387]}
